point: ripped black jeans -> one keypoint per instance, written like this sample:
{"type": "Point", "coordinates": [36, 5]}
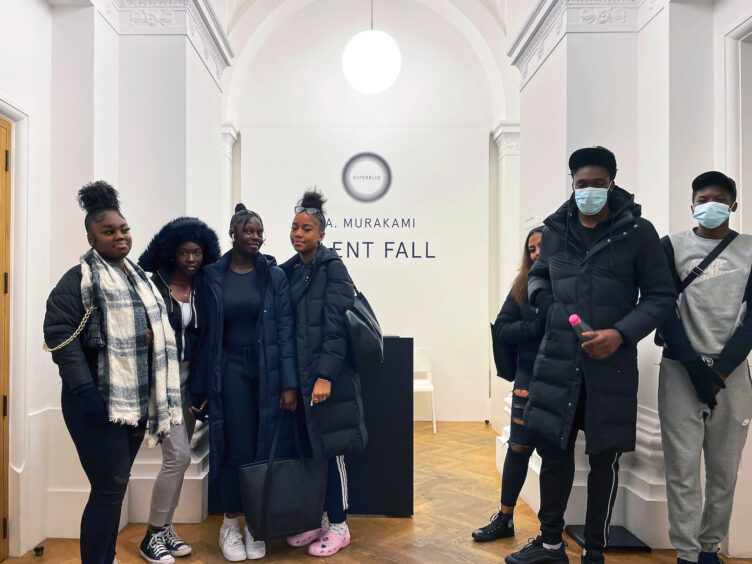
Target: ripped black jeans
{"type": "Point", "coordinates": [521, 445]}
{"type": "Point", "coordinates": [106, 453]}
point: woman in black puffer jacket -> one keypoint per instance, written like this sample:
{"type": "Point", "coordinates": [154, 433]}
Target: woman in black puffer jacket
{"type": "Point", "coordinates": [521, 325]}
{"type": "Point", "coordinates": [321, 292]}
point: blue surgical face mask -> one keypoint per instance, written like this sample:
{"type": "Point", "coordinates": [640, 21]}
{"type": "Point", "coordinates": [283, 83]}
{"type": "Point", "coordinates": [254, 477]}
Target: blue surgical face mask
{"type": "Point", "coordinates": [591, 200]}
{"type": "Point", "coordinates": [711, 214]}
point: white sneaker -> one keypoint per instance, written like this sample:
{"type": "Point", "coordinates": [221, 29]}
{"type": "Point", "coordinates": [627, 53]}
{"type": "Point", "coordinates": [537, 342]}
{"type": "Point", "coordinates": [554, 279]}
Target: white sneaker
{"type": "Point", "coordinates": [231, 543]}
{"type": "Point", "coordinates": [254, 549]}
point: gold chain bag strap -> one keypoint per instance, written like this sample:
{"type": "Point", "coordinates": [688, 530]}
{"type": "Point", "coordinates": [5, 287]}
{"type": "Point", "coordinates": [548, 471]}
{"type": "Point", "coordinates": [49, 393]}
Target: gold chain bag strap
{"type": "Point", "coordinates": [76, 333]}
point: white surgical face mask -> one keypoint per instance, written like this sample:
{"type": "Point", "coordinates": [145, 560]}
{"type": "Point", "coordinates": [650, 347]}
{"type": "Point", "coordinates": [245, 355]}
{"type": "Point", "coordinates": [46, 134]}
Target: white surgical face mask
{"type": "Point", "coordinates": [590, 200]}
{"type": "Point", "coordinates": [711, 214]}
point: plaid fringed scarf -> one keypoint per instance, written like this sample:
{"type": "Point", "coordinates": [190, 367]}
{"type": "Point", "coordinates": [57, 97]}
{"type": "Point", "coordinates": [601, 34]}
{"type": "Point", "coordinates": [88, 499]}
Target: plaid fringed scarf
{"type": "Point", "coordinates": [130, 391]}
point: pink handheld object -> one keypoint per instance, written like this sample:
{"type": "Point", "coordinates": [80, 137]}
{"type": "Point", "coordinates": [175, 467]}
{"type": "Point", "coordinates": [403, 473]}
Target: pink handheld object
{"type": "Point", "coordinates": [580, 327]}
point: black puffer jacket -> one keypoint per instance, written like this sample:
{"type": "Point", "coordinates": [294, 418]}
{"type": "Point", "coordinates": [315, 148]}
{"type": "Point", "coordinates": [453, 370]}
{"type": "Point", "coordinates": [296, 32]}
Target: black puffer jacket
{"type": "Point", "coordinates": [161, 280]}
{"type": "Point", "coordinates": [601, 285]}
{"type": "Point", "coordinates": [336, 426]}
{"type": "Point", "coordinates": [516, 325]}
{"type": "Point", "coordinates": [77, 362]}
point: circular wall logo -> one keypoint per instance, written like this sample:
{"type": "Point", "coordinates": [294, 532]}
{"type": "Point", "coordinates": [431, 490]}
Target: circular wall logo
{"type": "Point", "coordinates": [367, 177]}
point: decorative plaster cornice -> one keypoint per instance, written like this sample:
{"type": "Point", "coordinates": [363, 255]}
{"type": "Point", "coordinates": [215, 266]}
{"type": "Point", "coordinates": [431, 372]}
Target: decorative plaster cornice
{"type": "Point", "coordinates": [551, 20]}
{"type": "Point", "coordinates": [193, 18]}
{"type": "Point", "coordinates": [507, 138]}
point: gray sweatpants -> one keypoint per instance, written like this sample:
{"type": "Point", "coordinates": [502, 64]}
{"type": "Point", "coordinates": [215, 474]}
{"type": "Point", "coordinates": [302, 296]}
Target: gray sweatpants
{"type": "Point", "coordinates": [176, 457]}
{"type": "Point", "coordinates": [687, 429]}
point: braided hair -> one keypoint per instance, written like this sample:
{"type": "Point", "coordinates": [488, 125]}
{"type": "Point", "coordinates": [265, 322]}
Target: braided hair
{"type": "Point", "coordinates": [97, 198]}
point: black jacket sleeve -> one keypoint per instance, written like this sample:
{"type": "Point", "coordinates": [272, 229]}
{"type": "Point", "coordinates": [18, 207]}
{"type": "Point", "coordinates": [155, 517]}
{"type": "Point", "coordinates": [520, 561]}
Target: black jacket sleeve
{"type": "Point", "coordinates": [338, 298]}
{"type": "Point", "coordinates": [199, 366]}
{"type": "Point", "coordinates": [65, 310]}
{"type": "Point", "coordinates": [657, 292]}
{"type": "Point", "coordinates": [672, 331]}
{"type": "Point", "coordinates": [288, 362]}
{"type": "Point", "coordinates": [511, 328]}
{"type": "Point", "coordinates": [739, 345]}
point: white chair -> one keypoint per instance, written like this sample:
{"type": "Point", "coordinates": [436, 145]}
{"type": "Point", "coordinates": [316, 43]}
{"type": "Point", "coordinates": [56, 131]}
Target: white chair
{"type": "Point", "coordinates": [422, 378]}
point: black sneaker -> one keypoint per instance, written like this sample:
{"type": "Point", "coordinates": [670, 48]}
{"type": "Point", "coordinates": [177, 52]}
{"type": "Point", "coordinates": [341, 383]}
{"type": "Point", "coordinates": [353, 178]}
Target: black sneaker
{"type": "Point", "coordinates": [153, 548]}
{"type": "Point", "coordinates": [535, 553]}
{"type": "Point", "coordinates": [173, 543]}
{"type": "Point", "coordinates": [709, 558]}
{"type": "Point", "coordinates": [592, 556]}
{"type": "Point", "coordinates": [501, 526]}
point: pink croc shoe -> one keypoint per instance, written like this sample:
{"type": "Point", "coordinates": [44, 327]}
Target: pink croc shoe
{"type": "Point", "coordinates": [304, 539]}
{"type": "Point", "coordinates": [330, 543]}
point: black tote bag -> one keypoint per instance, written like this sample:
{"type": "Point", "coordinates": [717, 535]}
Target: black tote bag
{"type": "Point", "coordinates": [283, 497]}
{"type": "Point", "coordinates": [364, 334]}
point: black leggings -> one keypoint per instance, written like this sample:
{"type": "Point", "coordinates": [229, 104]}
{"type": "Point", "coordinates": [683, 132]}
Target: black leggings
{"type": "Point", "coordinates": [106, 453]}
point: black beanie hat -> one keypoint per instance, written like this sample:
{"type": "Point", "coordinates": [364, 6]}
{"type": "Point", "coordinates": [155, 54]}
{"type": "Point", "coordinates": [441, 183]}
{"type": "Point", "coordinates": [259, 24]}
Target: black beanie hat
{"type": "Point", "coordinates": [714, 178]}
{"type": "Point", "coordinates": [593, 156]}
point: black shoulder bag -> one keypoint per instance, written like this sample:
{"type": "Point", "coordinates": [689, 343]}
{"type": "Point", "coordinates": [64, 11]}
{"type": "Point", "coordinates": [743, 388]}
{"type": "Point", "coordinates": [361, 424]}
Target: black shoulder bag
{"type": "Point", "coordinates": [697, 271]}
{"type": "Point", "coordinates": [364, 334]}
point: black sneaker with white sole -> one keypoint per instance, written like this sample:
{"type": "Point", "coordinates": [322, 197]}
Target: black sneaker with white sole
{"type": "Point", "coordinates": [501, 526]}
{"type": "Point", "coordinates": [592, 556]}
{"type": "Point", "coordinates": [536, 553]}
{"type": "Point", "coordinates": [153, 548]}
{"type": "Point", "coordinates": [173, 543]}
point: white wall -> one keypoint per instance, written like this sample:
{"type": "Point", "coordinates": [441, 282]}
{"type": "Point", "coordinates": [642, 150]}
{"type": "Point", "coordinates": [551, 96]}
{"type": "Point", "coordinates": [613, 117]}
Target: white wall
{"type": "Point", "coordinates": [296, 79]}
{"type": "Point", "coordinates": [25, 98]}
{"type": "Point", "coordinates": [440, 176]}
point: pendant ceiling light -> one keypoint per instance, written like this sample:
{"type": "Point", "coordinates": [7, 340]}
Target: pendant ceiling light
{"type": "Point", "coordinates": [371, 60]}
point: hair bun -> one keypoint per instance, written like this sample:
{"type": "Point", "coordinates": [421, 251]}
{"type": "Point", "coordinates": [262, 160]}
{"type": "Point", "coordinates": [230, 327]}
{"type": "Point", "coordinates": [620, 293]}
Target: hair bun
{"type": "Point", "coordinates": [98, 196]}
{"type": "Point", "coordinates": [240, 207]}
{"type": "Point", "coordinates": [313, 199]}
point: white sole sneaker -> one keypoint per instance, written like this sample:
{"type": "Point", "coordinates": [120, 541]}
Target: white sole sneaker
{"type": "Point", "coordinates": [185, 551]}
{"type": "Point", "coordinates": [254, 550]}
{"type": "Point", "coordinates": [235, 553]}
{"type": "Point", "coordinates": [153, 561]}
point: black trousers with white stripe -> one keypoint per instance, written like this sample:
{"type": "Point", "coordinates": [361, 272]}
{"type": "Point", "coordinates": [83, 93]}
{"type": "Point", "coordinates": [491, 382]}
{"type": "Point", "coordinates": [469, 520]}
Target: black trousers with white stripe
{"type": "Point", "coordinates": [336, 501]}
{"type": "Point", "coordinates": [556, 478]}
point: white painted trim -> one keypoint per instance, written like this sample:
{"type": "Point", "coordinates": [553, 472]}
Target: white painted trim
{"type": "Point", "coordinates": [19, 338]}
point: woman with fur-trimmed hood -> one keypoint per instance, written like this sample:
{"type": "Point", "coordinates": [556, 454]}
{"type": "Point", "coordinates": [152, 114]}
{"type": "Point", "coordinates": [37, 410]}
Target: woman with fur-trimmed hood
{"type": "Point", "coordinates": [175, 257]}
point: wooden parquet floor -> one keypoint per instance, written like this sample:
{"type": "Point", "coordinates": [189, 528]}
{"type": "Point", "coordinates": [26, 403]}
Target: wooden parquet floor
{"type": "Point", "coordinates": [456, 490]}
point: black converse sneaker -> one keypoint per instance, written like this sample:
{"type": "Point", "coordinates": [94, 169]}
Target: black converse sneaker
{"type": "Point", "coordinates": [536, 553]}
{"type": "Point", "coordinates": [174, 544]}
{"type": "Point", "coordinates": [501, 526]}
{"type": "Point", "coordinates": [153, 548]}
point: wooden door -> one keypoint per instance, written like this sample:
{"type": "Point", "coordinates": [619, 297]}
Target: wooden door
{"type": "Point", "coordinates": [5, 203]}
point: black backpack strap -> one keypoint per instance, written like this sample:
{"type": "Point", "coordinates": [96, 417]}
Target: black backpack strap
{"type": "Point", "coordinates": [700, 268]}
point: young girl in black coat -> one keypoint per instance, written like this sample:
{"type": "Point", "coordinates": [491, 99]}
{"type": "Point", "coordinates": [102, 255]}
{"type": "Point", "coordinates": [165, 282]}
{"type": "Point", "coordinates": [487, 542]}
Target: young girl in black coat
{"type": "Point", "coordinates": [518, 323]}
{"type": "Point", "coordinates": [175, 257]}
{"type": "Point", "coordinates": [108, 332]}
{"type": "Point", "coordinates": [321, 293]}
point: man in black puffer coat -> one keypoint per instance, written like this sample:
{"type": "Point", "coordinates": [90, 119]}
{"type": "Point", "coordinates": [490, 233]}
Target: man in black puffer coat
{"type": "Point", "coordinates": [597, 255]}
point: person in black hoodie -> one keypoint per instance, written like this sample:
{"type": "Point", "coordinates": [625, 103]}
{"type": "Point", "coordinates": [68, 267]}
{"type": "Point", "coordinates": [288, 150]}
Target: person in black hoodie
{"type": "Point", "coordinates": [107, 330]}
{"type": "Point", "coordinates": [598, 254]}
{"type": "Point", "coordinates": [246, 368]}
{"type": "Point", "coordinates": [175, 257]}
{"type": "Point", "coordinates": [520, 325]}
{"type": "Point", "coordinates": [322, 292]}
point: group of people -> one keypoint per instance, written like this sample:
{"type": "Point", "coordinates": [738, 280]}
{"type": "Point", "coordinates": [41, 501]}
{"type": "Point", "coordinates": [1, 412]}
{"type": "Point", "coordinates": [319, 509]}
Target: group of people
{"type": "Point", "coordinates": [597, 258]}
{"type": "Point", "coordinates": [255, 348]}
